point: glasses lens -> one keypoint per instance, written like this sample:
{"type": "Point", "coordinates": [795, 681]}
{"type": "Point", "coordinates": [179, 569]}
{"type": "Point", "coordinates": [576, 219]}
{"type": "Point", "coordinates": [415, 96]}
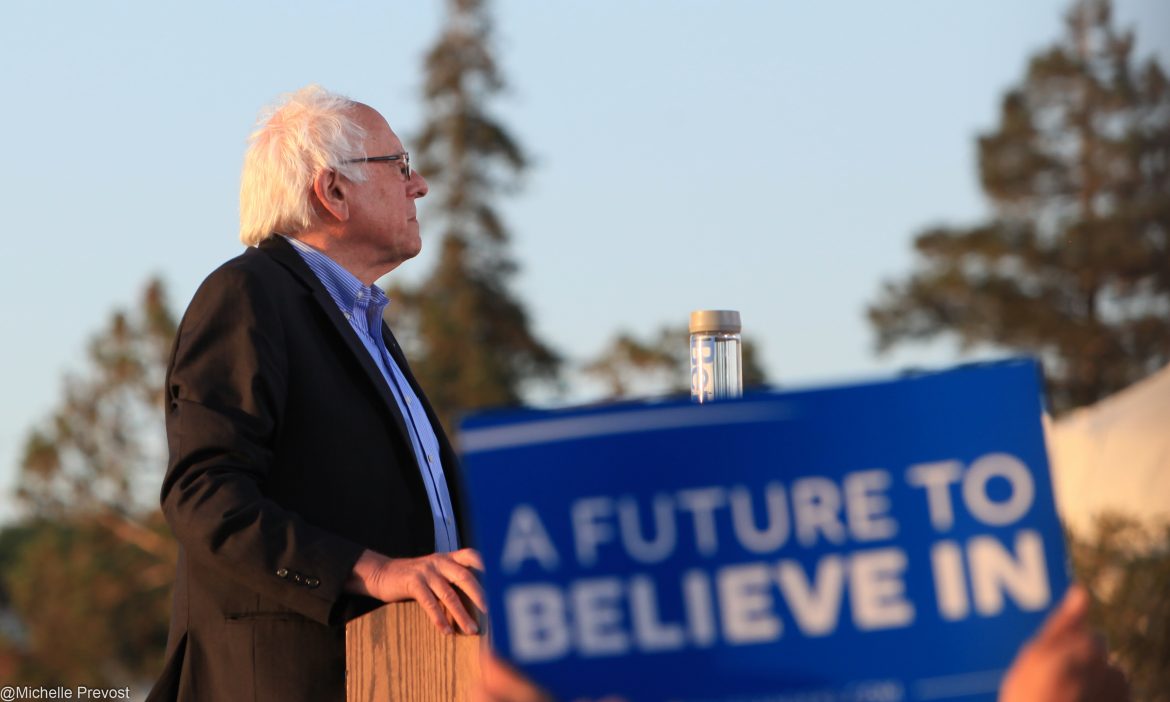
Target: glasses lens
{"type": "Point", "coordinates": [406, 164]}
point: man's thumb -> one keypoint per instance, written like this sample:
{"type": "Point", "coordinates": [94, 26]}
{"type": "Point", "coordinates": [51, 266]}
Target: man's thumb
{"type": "Point", "coordinates": [1070, 614]}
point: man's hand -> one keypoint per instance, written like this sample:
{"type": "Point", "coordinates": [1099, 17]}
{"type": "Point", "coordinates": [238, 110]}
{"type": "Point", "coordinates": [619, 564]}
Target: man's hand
{"type": "Point", "coordinates": [1064, 662]}
{"type": "Point", "coordinates": [501, 683]}
{"type": "Point", "coordinates": [427, 580]}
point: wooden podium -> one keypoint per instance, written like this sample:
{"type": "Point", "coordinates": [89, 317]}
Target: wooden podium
{"type": "Point", "coordinates": [396, 654]}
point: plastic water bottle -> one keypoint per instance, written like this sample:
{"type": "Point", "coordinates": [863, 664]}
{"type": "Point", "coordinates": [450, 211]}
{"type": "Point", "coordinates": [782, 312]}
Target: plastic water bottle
{"type": "Point", "coordinates": [716, 355]}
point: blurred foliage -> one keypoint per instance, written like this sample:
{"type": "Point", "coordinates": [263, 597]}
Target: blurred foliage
{"type": "Point", "coordinates": [1126, 567]}
{"type": "Point", "coordinates": [1074, 266]}
{"type": "Point", "coordinates": [105, 441]}
{"type": "Point", "coordinates": [87, 576]}
{"type": "Point", "coordinates": [92, 608]}
{"type": "Point", "coordinates": [660, 364]}
{"type": "Point", "coordinates": [467, 335]}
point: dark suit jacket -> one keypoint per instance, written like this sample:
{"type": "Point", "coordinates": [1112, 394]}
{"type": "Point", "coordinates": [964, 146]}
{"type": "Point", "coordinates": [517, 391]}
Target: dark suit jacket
{"type": "Point", "coordinates": [288, 456]}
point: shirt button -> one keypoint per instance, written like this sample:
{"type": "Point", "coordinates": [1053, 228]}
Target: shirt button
{"type": "Point", "coordinates": [430, 458]}
{"type": "Point", "coordinates": [408, 400]}
{"type": "Point", "coordinates": [347, 315]}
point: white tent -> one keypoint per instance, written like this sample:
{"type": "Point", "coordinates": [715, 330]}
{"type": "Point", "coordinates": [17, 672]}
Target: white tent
{"type": "Point", "coordinates": [1114, 455]}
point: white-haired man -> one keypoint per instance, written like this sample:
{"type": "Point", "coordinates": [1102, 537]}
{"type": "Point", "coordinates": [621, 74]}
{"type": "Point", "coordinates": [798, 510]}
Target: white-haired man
{"type": "Point", "coordinates": [309, 479]}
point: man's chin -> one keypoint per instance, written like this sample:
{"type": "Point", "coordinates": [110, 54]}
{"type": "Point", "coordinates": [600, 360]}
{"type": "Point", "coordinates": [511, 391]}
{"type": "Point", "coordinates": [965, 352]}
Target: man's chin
{"type": "Point", "coordinates": [416, 246]}
{"type": "Point", "coordinates": [416, 238]}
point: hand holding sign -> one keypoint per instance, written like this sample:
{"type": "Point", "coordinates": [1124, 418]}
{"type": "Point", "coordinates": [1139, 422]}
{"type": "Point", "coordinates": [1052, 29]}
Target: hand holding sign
{"type": "Point", "coordinates": [1064, 661]}
{"type": "Point", "coordinates": [501, 683]}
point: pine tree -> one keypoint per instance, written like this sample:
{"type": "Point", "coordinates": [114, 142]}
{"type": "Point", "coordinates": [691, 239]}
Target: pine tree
{"type": "Point", "coordinates": [469, 337]}
{"type": "Point", "coordinates": [103, 449]}
{"type": "Point", "coordinates": [1074, 265]}
{"type": "Point", "coordinates": [96, 544]}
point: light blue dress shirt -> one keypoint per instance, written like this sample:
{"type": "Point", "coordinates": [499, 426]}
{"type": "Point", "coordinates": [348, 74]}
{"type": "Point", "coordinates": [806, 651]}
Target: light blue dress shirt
{"type": "Point", "coordinates": [363, 305]}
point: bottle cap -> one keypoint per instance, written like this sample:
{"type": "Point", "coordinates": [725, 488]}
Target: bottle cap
{"type": "Point", "coordinates": [724, 321]}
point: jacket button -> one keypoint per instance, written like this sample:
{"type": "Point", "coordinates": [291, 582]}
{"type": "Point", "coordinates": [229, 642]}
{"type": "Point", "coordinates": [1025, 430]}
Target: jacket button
{"type": "Point", "coordinates": [297, 578]}
{"type": "Point", "coordinates": [312, 582]}
{"type": "Point", "coordinates": [282, 573]}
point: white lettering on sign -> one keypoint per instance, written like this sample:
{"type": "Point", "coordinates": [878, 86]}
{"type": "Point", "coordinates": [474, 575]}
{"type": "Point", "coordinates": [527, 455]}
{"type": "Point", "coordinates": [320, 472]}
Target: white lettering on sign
{"type": "Point", "coordinates": [995, 574]}
{"type": "Point", "coordinates": [598, 617]}
{"type": "Point", "coordinates": [702, 503]}
{"type": "Point", "coordinates": [946, 560]}
{"type": "Point", "coordinates": [867, 507]}
{"type": "Point", "coordinates": [537, 627]}
{"type": "Point", "coordinates": [527, 539]}
{"type": "Point", "coordinates": [745, 604]}
{"type": "Point", "coordinates": [609, 616]}
{"type": "Point", "coordinates": [998, 465]}
{"type": "Point", "coordinates": [650, 632]}
{"type": "Point", "coordinates": [705, 519]}
{"type": "Point", "coordinates": [640, 548]}
{"type": "Point", "coordinates": [878, 590]}
{"type": "Point", "coordinates": [753, 538]}
{"type": "Point", "coordinates": [938, 477]}
{"type": "Point", "coordinates": [590, 528]}
{"type": "Point", "coordinates": [816, 503]}
{"type": "Point", "coordinates": [815, 605]}
{"type": "Point", "coordinates": [700, 610]}
{"type": "Point", "coordinates": [757, 602]}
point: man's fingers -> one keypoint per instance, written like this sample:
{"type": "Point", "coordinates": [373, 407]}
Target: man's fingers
{"type": "Point", "coordinates": [1070, 615]}
{"type": "Point", "coordinates": [468, 557]}
{"type": "Point", "coordinates": [460, 568]}
{"type": "Point", "coordinates": [502, 683]}
{"type": "Point", "coordinates": [466, 581]}
{"type": "Point", "coordinates": [454, 605]}
{"type": "Point", "coordinates": [1111, 686]}
{"type": "Point", "coordinates": [431, 581]}
{"type": "Point", "coordinates": [430, 604]}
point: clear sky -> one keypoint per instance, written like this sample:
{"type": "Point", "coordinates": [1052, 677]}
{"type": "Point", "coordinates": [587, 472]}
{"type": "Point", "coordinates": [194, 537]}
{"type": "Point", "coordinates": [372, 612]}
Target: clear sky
{"type": "Point", "coordinates": [774, 157]}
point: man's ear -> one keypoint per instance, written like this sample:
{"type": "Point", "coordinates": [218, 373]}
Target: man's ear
{"type": "Point", "coordinates": [332, 194]}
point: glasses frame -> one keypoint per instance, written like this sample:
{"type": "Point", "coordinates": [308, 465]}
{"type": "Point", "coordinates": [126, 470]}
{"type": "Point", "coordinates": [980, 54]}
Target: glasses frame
{"type": "Point", "coordinates": [405, 169]}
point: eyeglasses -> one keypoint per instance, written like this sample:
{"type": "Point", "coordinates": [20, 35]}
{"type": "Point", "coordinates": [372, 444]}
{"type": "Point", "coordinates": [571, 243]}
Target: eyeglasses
{"type": "Point", "coordinates": [404, 157]}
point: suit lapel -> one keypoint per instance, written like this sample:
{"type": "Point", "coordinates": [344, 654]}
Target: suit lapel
{"type": "Point", "coordinates": [287, 256]}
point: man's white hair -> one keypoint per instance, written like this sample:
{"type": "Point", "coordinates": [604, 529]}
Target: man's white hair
{"type": "Point", "coordinates": [304, 133]}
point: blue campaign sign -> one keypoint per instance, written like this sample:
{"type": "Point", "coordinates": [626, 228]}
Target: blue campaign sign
{"type": "Point", "coordinates": [868, 543]}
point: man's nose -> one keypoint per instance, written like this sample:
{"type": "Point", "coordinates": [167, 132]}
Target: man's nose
{"type": "Point", "coordinates": [418, 185]}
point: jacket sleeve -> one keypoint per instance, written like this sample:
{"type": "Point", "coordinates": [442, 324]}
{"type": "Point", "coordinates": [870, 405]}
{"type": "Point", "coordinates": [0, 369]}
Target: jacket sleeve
{"type": "Point", "coordinates": [225, 394]}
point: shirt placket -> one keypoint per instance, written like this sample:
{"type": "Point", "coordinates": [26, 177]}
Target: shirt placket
{"type": "Point", "coordinates": [429, 448]}
{"type": "Point", "coordinates": [372, 313]}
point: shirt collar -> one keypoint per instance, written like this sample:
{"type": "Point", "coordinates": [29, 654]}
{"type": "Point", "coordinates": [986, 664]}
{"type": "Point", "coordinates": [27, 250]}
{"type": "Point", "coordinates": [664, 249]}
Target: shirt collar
{"type": "Point", "coordinates": [356, 301]}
